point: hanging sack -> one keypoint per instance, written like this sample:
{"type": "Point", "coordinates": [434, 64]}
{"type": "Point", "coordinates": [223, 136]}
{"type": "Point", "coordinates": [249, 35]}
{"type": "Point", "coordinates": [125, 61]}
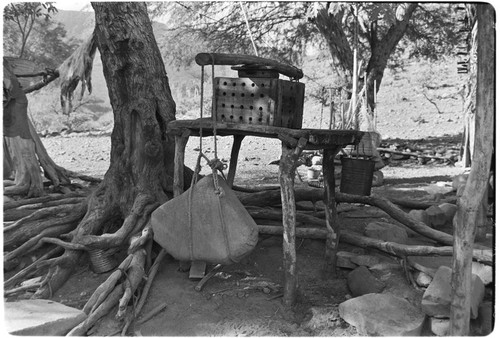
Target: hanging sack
{"type": "Point", "coordinates": [206, 223]}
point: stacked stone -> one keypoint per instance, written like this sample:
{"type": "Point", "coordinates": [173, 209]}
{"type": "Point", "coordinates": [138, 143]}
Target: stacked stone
{"type": "Point", "coordinates": [376, 309]}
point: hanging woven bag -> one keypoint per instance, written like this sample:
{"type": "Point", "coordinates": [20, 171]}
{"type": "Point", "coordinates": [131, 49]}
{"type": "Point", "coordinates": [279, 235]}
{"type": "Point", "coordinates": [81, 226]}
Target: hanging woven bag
{"type": "Point", "coordinates": [206, 223]}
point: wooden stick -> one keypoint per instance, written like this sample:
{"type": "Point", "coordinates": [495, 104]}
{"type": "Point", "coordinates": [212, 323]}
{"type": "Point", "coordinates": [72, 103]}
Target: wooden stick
{"type": "Point", "coordinates": [204, 59]}
{"type": "Point", "coordinates": [332, 221]}
{"type": "Point", "coordinates": [209, 275]}
{"type": "Point", "coordinates": [66, 245]}
{"type": "Point", "coordinates": [30, 268]}
{"type": "Point", "coordinates": [405, 153]}
{"type": "Point", "coordinates": [152, 313]}
{"type": "Point", "coordinates": [145, 291]}
{"type": "Point", "coordinates": [105, 288]}
{"type": "Point", "coordinates": [235, 149]}
{"type": "Point", "coordinates": [135, 274]}
{"type": "Point", "coordinates": [395, 249]}
{"type": "Point", "coordinates": [22, 288]}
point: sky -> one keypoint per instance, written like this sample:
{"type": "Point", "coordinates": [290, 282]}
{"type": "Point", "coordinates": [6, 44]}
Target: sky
{"type": "Point", "coordinates": [73, 5]}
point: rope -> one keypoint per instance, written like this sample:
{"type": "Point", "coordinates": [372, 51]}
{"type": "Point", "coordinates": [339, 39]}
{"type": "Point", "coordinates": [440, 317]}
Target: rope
{"type": "Point", "coordinates": [248, 28]}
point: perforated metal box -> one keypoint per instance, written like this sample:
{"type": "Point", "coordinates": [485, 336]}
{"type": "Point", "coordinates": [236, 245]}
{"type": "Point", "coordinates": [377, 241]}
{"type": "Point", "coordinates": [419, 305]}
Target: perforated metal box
{"type": "Point", "coordinates": [262, 101]}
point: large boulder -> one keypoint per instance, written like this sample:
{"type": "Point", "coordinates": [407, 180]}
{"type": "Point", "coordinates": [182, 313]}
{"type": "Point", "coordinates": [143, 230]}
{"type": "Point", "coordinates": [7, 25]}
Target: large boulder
{"type": "Point", "coordinates": [365, 260]}
{"type": "Point", "coordinates": [436, 300]}
{"type": "Point", "coordinates": [440, 326]}
{"type": "Point", "coordinates": [344, 260]}
{"type": "Point", "coordinates": [387, 232]}
{"type": "Point", "coordinates": [449, 210]}
{"type": "Point", "coordinates": [420, 216]}
{"type": "Point", "coordinates": [485, 272]}
{"type": "Point", "coordinates": [360, 281]}
{"type": "Point", "coordinates": [437, 216]}
{"type": "Point", "coordinates": [41, 317]}
{"type": "Point", "coordinates": [382, 315]}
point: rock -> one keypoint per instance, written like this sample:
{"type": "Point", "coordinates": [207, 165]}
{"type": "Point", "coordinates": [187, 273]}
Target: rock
{"type": "Point", "coordinates": [344, 260]}
{"type": "Point", "coordinates": [485, 318]}
{"type": "Point", "coordinates": [420, 215]}
{"type": "Point", "coordinates": [458, 181]}
{"type": "Point", "coordinates": [360, 281]}
{"type": "Point", "coordinates": [436, 300]}
{"type": "Point", "coordinates": [365, 260]}
{"type": "Point", "coordinates": [437, 196]}
{"type": "Point", "coordinates": [437, 217]}
{"type": "Point", "coordinates": [387, 232]}
{"type": "Point", "coordinates": [317, 160]}
{"type": "Point", "coordinates": [41, 317]}
{"type": "Point", "coordinates": [382, 315]}
{"type": "Point", "coordinates": [422, 279]}
{"type": "Point", "coordinates": [440, 326]}
{"type": "Point", "coordinates": [449, 210]}
{"type": "Point", "coordinates": [485, 272]}
{"type": "Point", "coordinates": [378, 179]}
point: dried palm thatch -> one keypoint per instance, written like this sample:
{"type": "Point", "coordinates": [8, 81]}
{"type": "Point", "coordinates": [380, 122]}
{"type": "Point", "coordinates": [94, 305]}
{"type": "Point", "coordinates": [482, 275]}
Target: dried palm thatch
{"type": "Point", "coordinates": [76, 68]}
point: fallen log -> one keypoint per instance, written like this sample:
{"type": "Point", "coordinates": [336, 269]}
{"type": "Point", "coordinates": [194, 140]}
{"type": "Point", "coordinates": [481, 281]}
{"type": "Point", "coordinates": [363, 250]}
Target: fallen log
{"type": "Point", "coordinates": [272, 198]}
{"type": "Point", "coordinates": [395, 249]}
{"type": "Point", "coordinates": [397, 214]}
{"type": "Point", "coordinates": [410, 154]}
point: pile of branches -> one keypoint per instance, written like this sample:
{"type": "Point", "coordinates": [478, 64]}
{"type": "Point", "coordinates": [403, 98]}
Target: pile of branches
{"type": "Point", "coordinates": [38, 229]}
{"type": "Point", "coordinates": [439, 151]}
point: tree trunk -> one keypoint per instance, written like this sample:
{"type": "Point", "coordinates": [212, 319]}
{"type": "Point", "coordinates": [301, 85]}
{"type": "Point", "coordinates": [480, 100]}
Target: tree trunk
{"type": "Point", "coordinates": [17, 138]}
{"type": "Point", "coordinates": [330, 26]}
{"type": "Point", "coordinates": [381, 50]}
{"type": "Point", "coordinates": [475, 188]}
{"type": "Point", "coordinates": [138, 178]}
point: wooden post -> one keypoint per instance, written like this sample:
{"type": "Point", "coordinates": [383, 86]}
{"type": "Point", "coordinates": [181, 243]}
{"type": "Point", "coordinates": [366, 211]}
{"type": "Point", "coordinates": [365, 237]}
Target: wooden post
{"type": "Point", "coordinates": [235, 150]}
{"type": "Point", "coordinates": [178, 188]}
{"type": "Point", "coordinates": [180, 146]}
{"type": "Point", "coordinates": [470, 201]}
{"type": "Point", "coordinates": [332, 222]}
{"type": "Point", "coordinates": [287, 168]}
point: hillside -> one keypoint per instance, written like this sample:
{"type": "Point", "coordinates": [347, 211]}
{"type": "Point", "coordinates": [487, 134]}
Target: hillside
{"type": "Point", "coordinates": [403, 111]}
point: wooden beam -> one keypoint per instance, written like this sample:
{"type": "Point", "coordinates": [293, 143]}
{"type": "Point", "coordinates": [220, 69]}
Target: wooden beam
{"type": "Point", "coordinates": [235, 150]}
{"type": "Point", "coordinates": [288, 163]}
{"type": "Point", "coordinates": [332, 221]}
{"type": "Point", "coordinates": [470, 202]}
{"type": "Point", "coordinates": [205, 59]}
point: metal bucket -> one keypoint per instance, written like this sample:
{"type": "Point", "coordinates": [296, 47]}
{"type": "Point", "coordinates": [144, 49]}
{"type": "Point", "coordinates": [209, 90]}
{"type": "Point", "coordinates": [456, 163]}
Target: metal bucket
{"type": "Point", "coordinates": [102, 261]}
{"type": "Point", "coordinates": [357, 176]}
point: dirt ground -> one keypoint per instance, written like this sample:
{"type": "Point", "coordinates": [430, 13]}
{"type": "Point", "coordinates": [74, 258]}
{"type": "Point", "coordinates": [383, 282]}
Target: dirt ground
{"type": "Point", "coordinates": [244, 299]}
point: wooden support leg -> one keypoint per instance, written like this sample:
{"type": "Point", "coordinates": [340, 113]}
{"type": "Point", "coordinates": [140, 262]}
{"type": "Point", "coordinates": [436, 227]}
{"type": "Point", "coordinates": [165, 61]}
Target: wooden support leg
{"type": "Point", "coordinates": [235, 150]}
{"type": "Point", "coordinates": [287, 167]}
{"type": "Point", "coordinates": [332, 222]}
{"type": "Point", "coordinates": [178, 188]}
{"type": "Point", "coordinates": [180, 146]}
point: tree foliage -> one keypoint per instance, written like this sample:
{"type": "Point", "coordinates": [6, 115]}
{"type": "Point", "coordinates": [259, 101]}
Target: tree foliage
{"type": "Point", "coordinates": [287, 30]}
{"type": "Point", "coordinates": [24, 15]}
